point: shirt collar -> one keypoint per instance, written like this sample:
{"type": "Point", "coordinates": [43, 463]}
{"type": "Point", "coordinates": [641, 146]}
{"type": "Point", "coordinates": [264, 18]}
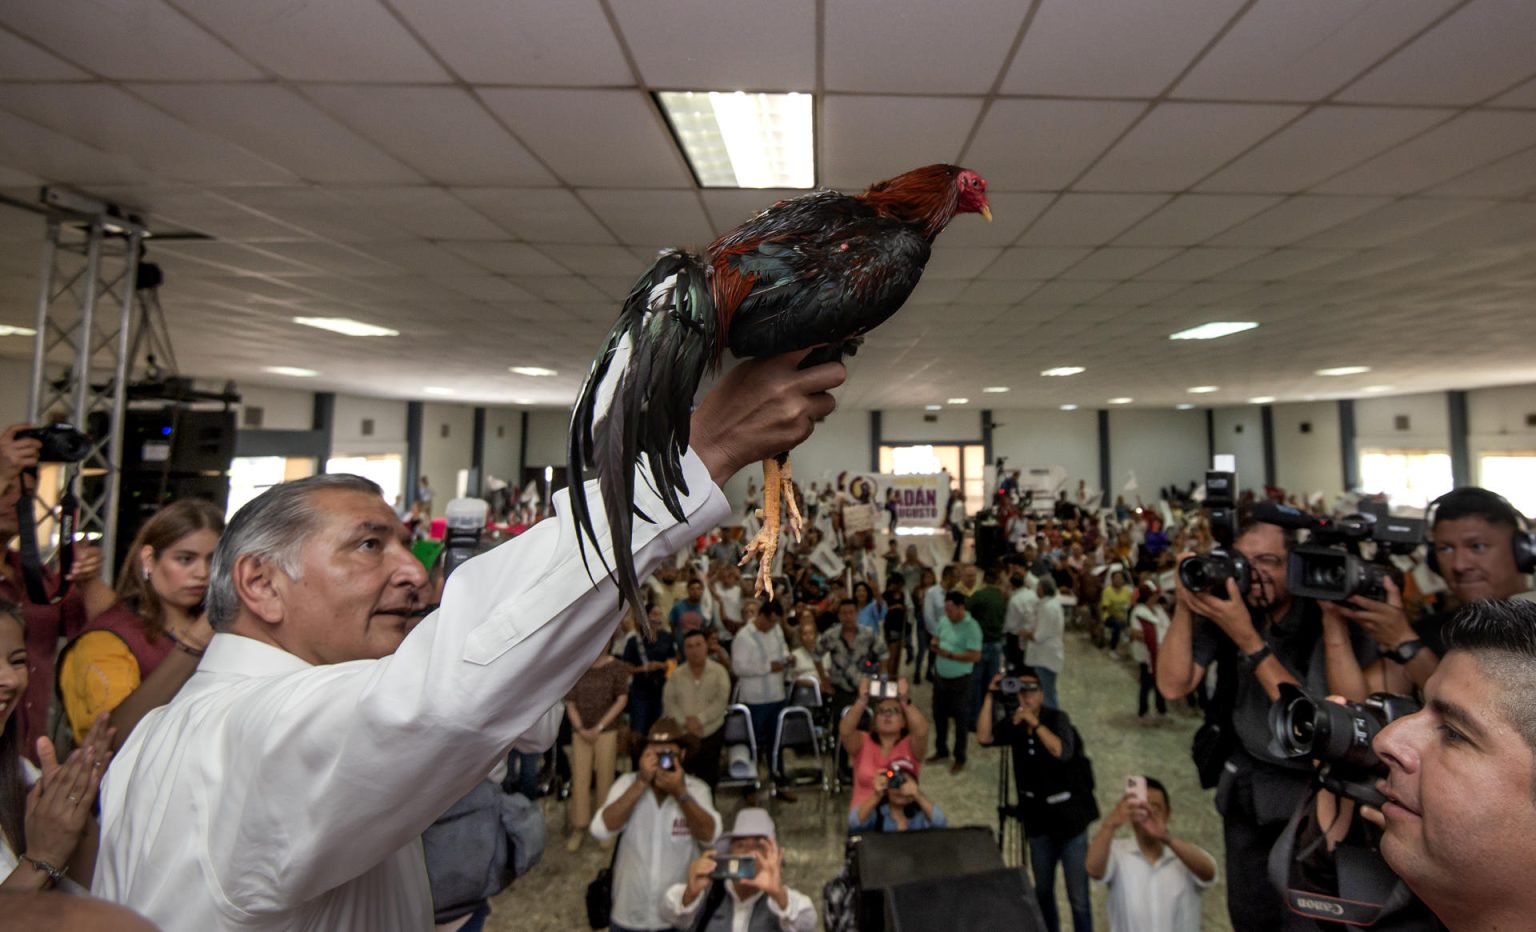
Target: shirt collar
{"type": "Point", "coordinates": [243, 656]}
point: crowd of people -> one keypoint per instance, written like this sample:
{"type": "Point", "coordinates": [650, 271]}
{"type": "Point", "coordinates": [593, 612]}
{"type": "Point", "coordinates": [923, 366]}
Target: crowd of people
{"type": "Point", "coordinates": [246, 636]}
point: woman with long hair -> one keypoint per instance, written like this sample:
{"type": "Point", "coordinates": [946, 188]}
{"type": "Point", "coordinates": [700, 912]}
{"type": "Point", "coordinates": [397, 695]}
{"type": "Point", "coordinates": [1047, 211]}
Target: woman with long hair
{"type": "Point", "coordinates": [871, 609]}
{"type": "Point", "coordinates": [160, 592]}
{"type": "Point", "coordinates": [46, 830]}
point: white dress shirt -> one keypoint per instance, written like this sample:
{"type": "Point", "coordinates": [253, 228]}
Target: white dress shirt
{"type": "Point", "coordinates": [1048, 648]}
{"type": "Point", "coordinates": [752, 656]}
{"type": "Point", "coordinates": [1148, 897]}
{"type": "Point", "coordinates": [1021, 611]}
{"type": "Point", "coordinates": [273, 795]}
{"type": "Point", "coordinates": [933, 608]}
{"type": "Point", "coordinates": [799, 916]}
{"type": "Point", "coordinates": [654, 853]}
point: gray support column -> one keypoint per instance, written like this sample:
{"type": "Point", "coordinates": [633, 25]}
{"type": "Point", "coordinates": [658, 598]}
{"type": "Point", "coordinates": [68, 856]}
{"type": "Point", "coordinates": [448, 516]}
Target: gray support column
{"type": "Point", "coordinates": [1267, 427]}
{"type": "Point", "coordinates": [1210, 436]}
{"type": "Point", "coordinates": [477, 456]}
{"type": "Point", "coordinates": [986, 437]}
{"type": "Point", "coordinates": [1350, 463]}
{"type": "Point", "coordinates": [522, 453]}
{"type": "Point", "coordinates": [414, 412]}
{"type": "Point", "coordinates": [874, 441]}
{"type": "Point", "coordinates": [324, 422]}
{"type": "Point", "coordinates": [1104, 455]}
{"type": "Point", "coordinates": [1461, 452]}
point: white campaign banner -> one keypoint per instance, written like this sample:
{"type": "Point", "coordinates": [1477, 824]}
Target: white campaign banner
{"type": "Point", "coordinates": [919, 501]}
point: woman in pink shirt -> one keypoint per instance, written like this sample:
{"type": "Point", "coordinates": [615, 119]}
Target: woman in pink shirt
{"type": "Point", "coordinates": [897, 731]}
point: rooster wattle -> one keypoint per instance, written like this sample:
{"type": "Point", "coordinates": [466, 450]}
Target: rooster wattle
{"type": "Point", "coordinates": [814, 271]}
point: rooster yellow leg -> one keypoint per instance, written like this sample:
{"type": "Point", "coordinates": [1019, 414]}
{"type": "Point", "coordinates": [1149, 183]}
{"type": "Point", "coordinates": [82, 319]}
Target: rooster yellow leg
{"type": "Point", "coordinates": [766, 543]}
{"type": "Point", "coordinates": [791, 507]}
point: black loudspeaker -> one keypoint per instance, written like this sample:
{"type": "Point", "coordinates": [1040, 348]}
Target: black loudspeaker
{"type": "Point", "coordinates": [997, 899]}
{"type": "Point", "coordinates": [886, 861]}
{"type": "Point", "coordinates": [142, 493]}
{"type": "Point", "coordinates": [178, 441]}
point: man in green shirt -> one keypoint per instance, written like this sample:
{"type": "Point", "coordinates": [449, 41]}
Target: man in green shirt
{"type": "Point", "coordinates": [958, 646]}
{"type": "Point", "coordinates": [989, 606]}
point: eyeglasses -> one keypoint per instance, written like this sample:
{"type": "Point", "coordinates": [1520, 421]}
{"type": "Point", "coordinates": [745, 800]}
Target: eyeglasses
{"type": "Point", "coordinates": [888, 710]}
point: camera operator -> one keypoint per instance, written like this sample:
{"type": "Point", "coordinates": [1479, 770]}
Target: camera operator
{"type": "Point", "coordinates": [1461, 775]}
{"type": "Point", "coordinates": [746, 867]}
{"type": "Point", "coordinates": [1055, 781]}
{"type": "Point", "coordinates": [1264, 638]}
{"type": "Point", "coordinates": [896, 805]}
{"type": "Point", "coordinates": [49, 620]}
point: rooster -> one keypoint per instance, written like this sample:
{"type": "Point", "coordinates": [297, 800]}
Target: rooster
{"type": "Point", "coordinates": [815, 271]}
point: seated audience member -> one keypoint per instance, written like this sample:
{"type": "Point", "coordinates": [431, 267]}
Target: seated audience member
{"type": "Point", "coordinates": [759, 658]}
{"type": "Point", "coordinates": [46, 828]}
{"type": "Point", "coordinates": [1149, 623]}
{"type": "Point", "coordinates": [664, 816]}
{"type": "Point", "coordinates": [160, 592]}
{"type": "Point", "coordinates": [805, 657]}
{"type": "Point", "coordinates": [957, 648]}
{"type": "Point", "coordinates": [897, 732]}
{"type": "Point", "coordinates": [1154, 879]}
{"type": "Point", "coordinates": [1055, 782]}
{"type": "Point", "coordinates": [717, 651]}
{"type": "Point", "coordinates": [647, 663]}
{"type": "Point", "coordinates": [897, 804]}
{"type": "Point", "coordinates": [1115, 606]}
{"type": "Point", "coordinates": [697, 694]}
{"type": "Point", "coordinates": [593, 707]}
{"type": "Point", "coordinates": [852, 652]}
{"type": "Point", "coordinates": [1461, 775]}
{"type": "Point", "coordinates": [762, 901]}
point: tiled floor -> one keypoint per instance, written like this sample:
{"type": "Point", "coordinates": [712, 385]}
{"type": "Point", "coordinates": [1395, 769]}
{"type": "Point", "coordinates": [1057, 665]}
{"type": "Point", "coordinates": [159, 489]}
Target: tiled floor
{"type": "Point", "coordinates": [1098, 691]}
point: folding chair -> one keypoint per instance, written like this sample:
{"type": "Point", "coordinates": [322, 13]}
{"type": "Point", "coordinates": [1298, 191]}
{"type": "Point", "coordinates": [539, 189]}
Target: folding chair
{"type": "Point", "coordinates": [740, 768]}
{"type": "Point", "coordinates": [796, 729]}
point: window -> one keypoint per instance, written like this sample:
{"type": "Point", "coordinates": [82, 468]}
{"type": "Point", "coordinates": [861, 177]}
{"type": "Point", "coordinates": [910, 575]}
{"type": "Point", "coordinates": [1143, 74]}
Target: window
{"type": "Point", "coordinates": [387, 469]}
{"type": "Point", "coordinates": [249, 476]}
{"type": "Point", "coordinates": [1407, 477]}
{"type": "Point", "coordinates": [964, 462]}
{"type": "Point", "coordinates": [1512, 474]}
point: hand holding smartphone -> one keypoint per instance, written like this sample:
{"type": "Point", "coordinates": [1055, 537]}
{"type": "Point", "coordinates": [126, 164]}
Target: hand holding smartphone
{"type": "Point", "coordinates": [734, 867]}
{"type": "Point", "coordinates": [1136, 790]}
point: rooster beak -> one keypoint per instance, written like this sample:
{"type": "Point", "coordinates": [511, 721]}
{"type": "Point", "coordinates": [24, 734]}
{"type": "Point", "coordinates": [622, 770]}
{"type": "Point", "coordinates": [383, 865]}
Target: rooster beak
{"type": "Point", "coordinates": [986, 213]}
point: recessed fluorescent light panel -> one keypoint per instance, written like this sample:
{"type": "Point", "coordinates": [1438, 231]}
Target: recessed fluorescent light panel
{"type": "Point", "coordinates": [933, 407]}
{"type": "Point", "coordinates": [741, 140]}
{"type": "Point", "coordinates": [1377, 388]}
{"type": "Point", "coordinates": [6, 330]}
{"type": "Point", "coordinates": [1069, 407]}
{"type": "Point", "coordinates": [437, 390]}
{"type": "Point", "coordinates": [1214, 330]}
{"type": "Point", "coordinates": [959, 401]}
{"type": "Point", "coordinates": [1345, 370]}
{"type": "Point", "coordinates": [1261, 400]}
{"type": "Point", "coordinates": [995, 389]}
{"type": "Point", "coordinates": [1203, 389]}
{"type": "Point", "coordinates": [347, 326]}
{"type": "Point", "coordinates": [290, 370]}
{"type": "Point", "coordinates": [1121, 401]}
{"type": "Point", "coordinates": [535, 371]}
{"type": "Point", "coordinates": [1184, 407]}
{"type": "Point", "coordinates": [1063, 371]}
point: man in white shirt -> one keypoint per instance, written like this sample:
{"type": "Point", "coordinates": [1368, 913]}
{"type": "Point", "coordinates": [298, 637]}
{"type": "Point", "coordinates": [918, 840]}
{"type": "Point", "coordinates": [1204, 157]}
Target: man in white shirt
{"type": "Point", "coordinates": [1020, 616]}
{"type": "Point", "coordinates": [287, 785]}
{"type": "Point", "coordinates": [1154, 879]}
{"type": "Point", "coordinates": [760, 903]}
{"type": "Point", "coordinates": [933, 612]}
{"type": "Point", "coordinates": [664, 815]}
{"type": "Point", "coordinates": [759, 657]}
{"type": "Point", "coordinates": [1045, 640]}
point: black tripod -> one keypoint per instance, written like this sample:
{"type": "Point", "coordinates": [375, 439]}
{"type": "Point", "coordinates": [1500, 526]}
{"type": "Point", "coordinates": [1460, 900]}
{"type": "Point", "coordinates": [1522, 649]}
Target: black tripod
{"type": "Point", "coordinates": [1010, 815]}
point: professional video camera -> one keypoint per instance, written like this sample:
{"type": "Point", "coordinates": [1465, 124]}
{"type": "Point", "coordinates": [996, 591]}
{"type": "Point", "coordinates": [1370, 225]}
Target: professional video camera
{"type": "Point", "coordinates": [1209, 573]}
{"type": "Point", "coordinates": [62, 443]}
{"type": "Point", "coordinates": [466, 523]}
{"type": "Point", "coordinates": [1329, 566]}
{"type": "Point", "coordinates": [1339, 734]}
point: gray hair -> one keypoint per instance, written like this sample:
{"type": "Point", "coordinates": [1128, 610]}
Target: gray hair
{"type": "Point", "coordinates": [271, 527]}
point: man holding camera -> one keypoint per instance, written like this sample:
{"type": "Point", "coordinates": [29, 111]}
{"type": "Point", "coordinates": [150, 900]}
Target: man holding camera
{"type": "Point", "coordinates": [1263, 638]}
{"type": "Point", "coordinates": [957, 648]}
{"type": "Point", "coordinates": [745, 869]}
{"type": "Point", "coordinates": [662, 813]}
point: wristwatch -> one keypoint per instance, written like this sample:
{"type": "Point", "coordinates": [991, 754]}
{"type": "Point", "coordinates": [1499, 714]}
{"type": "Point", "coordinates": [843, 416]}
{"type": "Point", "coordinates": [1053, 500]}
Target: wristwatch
{"type": "Point", "coordinates": [1251, 661]}
{"type": "Point", "coordinates": [1404, 652]}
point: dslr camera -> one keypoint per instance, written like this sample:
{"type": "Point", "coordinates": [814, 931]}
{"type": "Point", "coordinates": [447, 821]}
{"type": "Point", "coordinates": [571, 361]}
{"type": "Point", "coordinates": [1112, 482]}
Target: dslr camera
{"type": "Point", "coordinates": [62, 443]}
{"type": "Point", "coordinates": [894, 778]}
{"type": "Point", "coordinates": [1329, 566]}
{"type": "Point", "coordinates": [1339, 735]}
{"type": "Point", "coordinates": [1209, 573]}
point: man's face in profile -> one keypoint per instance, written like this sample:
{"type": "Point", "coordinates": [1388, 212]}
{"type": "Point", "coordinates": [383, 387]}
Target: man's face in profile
{"type": "Point", "coordinates": [1461, 817]}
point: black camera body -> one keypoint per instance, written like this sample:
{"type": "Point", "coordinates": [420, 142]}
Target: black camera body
{"type": "Point", "coordinates": [666, 760]}
{"type": "Point", "coordinates": [1339, 735]}
{"type": "Point", "coordinates": [1329, 567]}
{"type": "Point", "coordinates": [62, 443]}
{"type": "Point", "coordinates": [1209, 573]}
{"type": "Point", "coordinates": [895, 778]}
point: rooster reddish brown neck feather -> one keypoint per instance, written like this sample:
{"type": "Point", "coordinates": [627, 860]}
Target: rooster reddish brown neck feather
{"type": "Point", "coordinates": [926, 196]}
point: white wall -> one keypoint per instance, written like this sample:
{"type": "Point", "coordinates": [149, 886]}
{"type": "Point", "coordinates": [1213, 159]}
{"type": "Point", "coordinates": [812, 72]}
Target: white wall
{"type": "Point", "coordinates": [281, 408]}
{"type": "Point", "coordinates": [1247, 445]}
{"type": "Point", "coordinates": [443, 456]}
{"type": "Point", "coordinates": [1429, 426]}
{"type": "Point", "coordinates": [388, 426]}
{"type": "Point", "coordinates": [1311, 462]}
{"type": "Point", "coordinates": [1496, 419]}
{"type": "Point", "coordinates": [1069, 439]}
{"type": "Point", "coordinates": [1162, 447]}
{"type": "Point", "coordinates": [503, 437]}
{"type": "Point", "coordinates": [910, 426]}
{"type": "Point", "coordinates": [15, 382]}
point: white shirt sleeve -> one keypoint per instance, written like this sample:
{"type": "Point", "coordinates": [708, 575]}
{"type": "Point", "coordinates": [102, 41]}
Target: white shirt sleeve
{"type": "Point", "coordinates": [672, 911]}
{"type": "Point", "coordinates": [347, 761]}
{"type": "Point", "coordinates": [748, 655]}
{"type": "Point", "coordinates": [800, 916]}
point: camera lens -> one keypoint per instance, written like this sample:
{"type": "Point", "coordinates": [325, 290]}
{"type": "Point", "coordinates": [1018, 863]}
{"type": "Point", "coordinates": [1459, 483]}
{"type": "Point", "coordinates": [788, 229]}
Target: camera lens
{"type": "Point", "coordinates": [1301, 724]}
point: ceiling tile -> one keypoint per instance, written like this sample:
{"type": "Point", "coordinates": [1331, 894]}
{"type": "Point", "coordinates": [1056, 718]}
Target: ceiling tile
{"type": "Point", "coordinates": [992, 293]}
{"type": "Point", "coordinates": [266, 119]}
{"type": "Point", "coordinates": [540, 215]}
{"type": "Point", "coordinates": [1395, 221]}
{"type": "Point", "coordinates": [1522, 96]}
{"type": "Point", "coordinates": [1199, 263]}
{"type": "Point", "coordinates": [1012, 212]}
{"type": "Point", "coordinates": [1514, 176]}
{"type": "Point", "coordinates": [1108, 48]}
{"type": "Point", "coordinates": [597, 138]}
{"type": "Point", "coordinates": [1203, 294]}
{"type": "Point", "coordinates": [131, 40]}
{"type": "Point", "coordinates": [1090, 219]}
{"type": "Point", "coordinates": [1178, 144]}
{"type": "Point", "coordinates": [1476, 52]}
{"type": "Point", "coordinates": [868, 139]}
{"type": "Point", "coordinates": [958, 262]}
{"type": "Point", "coordinates": [1042, 145]}
{"type": "Point", "coordinates": [1280, 264]}
{"type": "Point", "coordinates": [1035, 262]}
{"type": "Point", "coordinates": [1467, 142]}
{"type": "Point", "coordinates": [1304, 50]}
{"type": "Point", "coordinates": [486, 287]}
{"type": "Point", "coordinates": [521, 41]}
{"type": "Point", "coordinates": [926, 49]}
{"type": "Point", "coordinates": [1136, 293]}
{"type": "Point", "coordinates": [1503, 224]}
{"type": "Point", "coordinates": [21, 60]}
{"type": "Point", "coordinates": [709, 53]}
{"type": "Point", "coordinates": [52, 156]}
{"type": "Point", "coordinates": [1193, 218]}
{"type": "Point", "coordinates": [338, 40]}
{"type": "Point", "coordinates": [504, 258]}
{"type": "Point", "coordinates": [431, 213]}
{"type": "Point", "coordinates": [411, 124]}
{"type": "Point", "coordinates": [729, 208]}
{"type": "Point", "coordinates": [615, 261]}
{"type": "Point", "coordinates": [1064, 294]}
{"type": "Point", "coordinates": [106, 118]}
{"type": "Point", "coordinates": [1296, 219]}
{"type": "Point", "coordinates": [329, 257]}
{"type": "Point", "coordinates": [639, 217]}
{"type": "Point", "coordinates": [1319, 145]}
{"type": "Point", "coordinates": [422, 258]}
{"type": "Point", "coordinates": [1117, 262]}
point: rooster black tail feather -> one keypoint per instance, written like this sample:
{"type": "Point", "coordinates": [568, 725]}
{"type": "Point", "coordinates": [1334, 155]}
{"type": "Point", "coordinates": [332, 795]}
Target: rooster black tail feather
{"type": "Point", "coordinates": [637, 401]}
